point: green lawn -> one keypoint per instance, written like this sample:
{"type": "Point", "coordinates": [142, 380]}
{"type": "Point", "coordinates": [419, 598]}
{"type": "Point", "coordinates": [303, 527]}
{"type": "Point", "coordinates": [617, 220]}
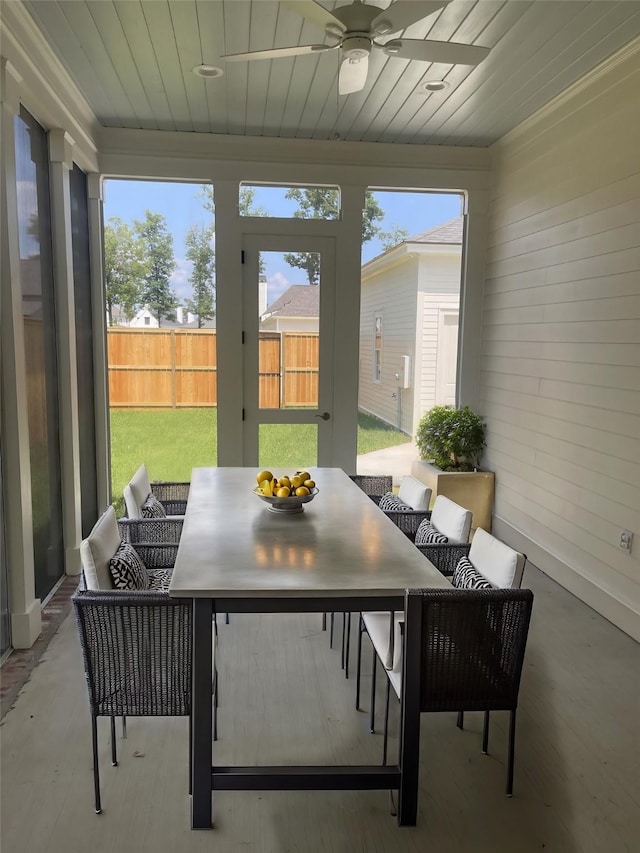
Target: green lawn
{"type": "Point", "coordinates": [173, 441]}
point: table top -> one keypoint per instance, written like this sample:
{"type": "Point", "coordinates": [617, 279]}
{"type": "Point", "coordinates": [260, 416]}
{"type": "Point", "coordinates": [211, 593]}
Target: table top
{"type": "Point", "coordinates": [342, 545]}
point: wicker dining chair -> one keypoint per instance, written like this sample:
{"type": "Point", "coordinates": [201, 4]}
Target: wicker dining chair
{"type": "Point", "coordinates": [457, 650]}
{"type": "Point", "coordinates": [137, 651]}
{"type": "Point", "coordinates": [375, 486]}
{"type": "Point", "coordinates": [142, 498]}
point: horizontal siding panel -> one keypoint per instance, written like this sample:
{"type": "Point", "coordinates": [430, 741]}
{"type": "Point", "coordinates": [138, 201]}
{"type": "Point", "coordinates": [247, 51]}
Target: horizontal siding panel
{"type": "Point", "coordinates": [609, 376]}
{"type": "Point", "coordinates": [621, 354]}
{"type": "Point", "coordinates": [624, 331]}
{"type": "Point", "coordinates": [586, 467]}
{"type": "Point", "coordinates": [602, 287]}
{"type": "Point", "coordinates": [610, 264]}
{"type": "Point", "coordinates": [620, 308]}
{"type": "Point", "coordinates": [582, 434]}
{"type": "Point", "coordinates": [593, 558]}
{"type": "Point", "coordinates": [614, 240]}
{"type": "Point", "coordinates": [615, 423]}
{"type": "Point", "coordinates": [600, 222]}
{"type": "Point", "coordinates": [605, 197]}
{"type": "Point", "coordinates": [606, 514]}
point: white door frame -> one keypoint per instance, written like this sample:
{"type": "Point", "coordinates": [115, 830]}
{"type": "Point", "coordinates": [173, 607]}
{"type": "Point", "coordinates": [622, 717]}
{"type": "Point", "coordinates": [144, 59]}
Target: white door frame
{"type": "Point", "coordinates": [253, 416]}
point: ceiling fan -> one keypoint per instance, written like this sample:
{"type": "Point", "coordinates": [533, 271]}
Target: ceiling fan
{"type": "Point", "coordinates": [355, 29]}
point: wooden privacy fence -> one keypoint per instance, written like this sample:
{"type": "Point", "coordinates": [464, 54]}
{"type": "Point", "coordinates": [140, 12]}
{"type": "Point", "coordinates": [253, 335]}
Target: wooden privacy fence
{"type": "Point", "coordinates": [177, 368]}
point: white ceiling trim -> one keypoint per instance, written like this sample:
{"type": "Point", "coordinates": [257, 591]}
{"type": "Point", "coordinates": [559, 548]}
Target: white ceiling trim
{"type": "Point", "coordinates": [46, 88]}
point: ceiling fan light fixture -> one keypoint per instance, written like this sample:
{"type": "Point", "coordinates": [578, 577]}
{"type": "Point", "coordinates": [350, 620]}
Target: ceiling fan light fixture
{"type": "Point", "coordinates": [383, 27]}
{"type": "Point", "coordinates": [434, 85]}
{"type": "Point", "coordinates": [208, 72]}
{"type": "Point", "coordinates": [392, 47]}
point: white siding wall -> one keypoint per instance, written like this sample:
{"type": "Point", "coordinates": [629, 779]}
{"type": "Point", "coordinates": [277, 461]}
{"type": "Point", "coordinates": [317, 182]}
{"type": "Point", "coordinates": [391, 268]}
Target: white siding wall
{"type": "Point", "coordinates": [560, 386]}
{"type": "Point", "coordinates": [391, 294]}
{"type": "Point", "coordinates": [439, 291]}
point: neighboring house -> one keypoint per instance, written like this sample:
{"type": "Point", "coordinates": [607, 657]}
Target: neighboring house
{"type": "Point", "coordinates": [409, 326]}
{"type": "Point", "coordinates": [297, 310]}
{"type": "Point", "coordinates": [143, 318]}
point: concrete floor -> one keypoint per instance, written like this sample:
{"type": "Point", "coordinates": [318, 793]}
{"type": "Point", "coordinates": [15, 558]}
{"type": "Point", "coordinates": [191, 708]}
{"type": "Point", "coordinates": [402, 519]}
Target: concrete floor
{"type": "Point", "coordinates": [283, 697]}
{"type": "Point", "coordinates": [396, 461]}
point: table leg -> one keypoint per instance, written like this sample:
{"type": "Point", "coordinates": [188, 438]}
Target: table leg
{"type": "Point", "coordinates": [202, 714]}
{"type": "Point", "coordinates": [410, 713]}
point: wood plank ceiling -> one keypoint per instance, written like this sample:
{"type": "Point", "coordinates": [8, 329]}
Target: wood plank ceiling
{"type": "Point", "coordinates": [133, 61]}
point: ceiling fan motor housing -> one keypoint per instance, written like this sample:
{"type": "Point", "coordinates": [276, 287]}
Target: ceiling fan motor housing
{"type": "Point", "coordinates": [356, 47]}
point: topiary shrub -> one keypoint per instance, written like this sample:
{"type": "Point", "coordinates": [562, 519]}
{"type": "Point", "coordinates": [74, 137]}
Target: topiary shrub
{"type": "Point", "coordinates": [453, 439]}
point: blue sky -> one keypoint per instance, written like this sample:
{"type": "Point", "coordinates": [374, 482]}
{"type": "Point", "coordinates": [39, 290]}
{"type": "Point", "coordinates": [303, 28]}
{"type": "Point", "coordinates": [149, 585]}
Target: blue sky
{"type": "Point", "coordinates": [181, 207]}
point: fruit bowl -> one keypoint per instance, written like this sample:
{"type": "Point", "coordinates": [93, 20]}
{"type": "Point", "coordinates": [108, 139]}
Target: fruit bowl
{"type": "Point", "coordinates": [291, 505]}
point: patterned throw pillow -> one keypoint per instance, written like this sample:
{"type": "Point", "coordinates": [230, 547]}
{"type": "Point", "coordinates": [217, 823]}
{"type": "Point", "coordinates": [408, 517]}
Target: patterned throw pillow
{"type": "Point", "coordinates": [159, 579]}
{"type": "Point", "coordinates": [127, 569]}
{"type": "Point", "coordinates": [391, 501]}
{"type": "Point", "coordinates": [466, 576]}
{"type": "Point", "coordinates": [427, 534]}
{"type": "Point", "coordinates": [152, 508]}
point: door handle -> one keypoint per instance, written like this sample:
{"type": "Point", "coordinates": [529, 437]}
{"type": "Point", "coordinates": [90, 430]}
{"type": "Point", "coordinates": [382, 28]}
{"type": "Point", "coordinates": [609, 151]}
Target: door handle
{"type": "Point", "coordinates": [325, 416]}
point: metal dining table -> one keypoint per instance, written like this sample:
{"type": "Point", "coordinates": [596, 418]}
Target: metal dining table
{"type": "Point", "coordinates": [341, 554]}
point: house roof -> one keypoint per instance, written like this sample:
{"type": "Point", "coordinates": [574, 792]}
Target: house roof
{"type": "Point", "coordinates": [299, 300]}
{"type": "Point", "coordinates": [448, 232]}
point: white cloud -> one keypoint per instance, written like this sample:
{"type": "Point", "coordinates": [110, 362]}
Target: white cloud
{"type": "Point", "coordinates": [276, 286]}
{"type": "Point", "coordinates": [179, 281]}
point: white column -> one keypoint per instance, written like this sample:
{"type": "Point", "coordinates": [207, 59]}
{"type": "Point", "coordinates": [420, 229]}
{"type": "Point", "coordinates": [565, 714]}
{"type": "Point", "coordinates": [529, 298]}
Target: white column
{"type": "Point", "coordinates": [229, 323]}
{"type": "Point", "coordinates": [99, 326]}
{"type": "Point", "coordinates": [24, 607]}
{"type": "Point", "coordinates": [347, 329]}
{"type": "Point", "coordinates": [60, 163]}
{"type": "Point", "coordinates": [472, 299]}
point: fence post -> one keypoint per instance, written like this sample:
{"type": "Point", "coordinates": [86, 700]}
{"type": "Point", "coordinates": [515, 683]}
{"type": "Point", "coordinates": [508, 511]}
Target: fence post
{"type": "Point", "coordinates": [174, 381]}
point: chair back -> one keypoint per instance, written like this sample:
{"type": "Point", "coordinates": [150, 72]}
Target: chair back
{"type": "Point", "coordinates": [414, 493]}
{"type": "Point", "coordinates": [469, 646]}
{"type": "Point", "coordinates": [136, 492]}
{"type": "Point", "coordinates": [451, 519]}
{"type": "Point", "coordinates": [498, 563]}
{"type": "Point", "coordinates": [97, 549]}
{"type": "Point", "coordinates": [374, 485]}
{"type": "Point", "coordinates": [137, 652]}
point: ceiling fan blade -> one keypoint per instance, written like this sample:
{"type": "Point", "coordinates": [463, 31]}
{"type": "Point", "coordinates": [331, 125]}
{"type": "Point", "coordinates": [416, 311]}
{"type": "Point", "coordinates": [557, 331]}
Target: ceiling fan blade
{"type": "Point", "coordinates": [314, 12]}
{"type": "Point", "coordinates": [277, 53]}
{"type": "Point", "coordinates": [353, 75]}
{"type": "Point", "coordinates": [446, 52]}
{"type": "Point", "coordinates": [403, 13]}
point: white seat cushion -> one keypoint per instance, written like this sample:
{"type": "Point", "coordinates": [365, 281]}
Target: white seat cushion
{"type": "Point", "coordinates": [414, 493]}
{"type": "Point", "coordinates": [136, 492]}
{"type": "Point", "coordinates": [451, 519]}
{"type": "Point", "coordinates": [500, 564]}
{"type": "Point", "coordinates": [98, 548]}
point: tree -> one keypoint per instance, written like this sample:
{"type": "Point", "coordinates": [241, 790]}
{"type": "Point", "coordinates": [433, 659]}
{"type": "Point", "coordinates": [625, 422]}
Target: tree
{"type": "Point", "coordinates": [124, 267]}
{"type": "Point", "coordinates": [201, 254]}
{"type": "Point", "coordinates": [389, 239]}
{"type": "Point", "coordinates": [321, 203]}
{"type": "Point", "coordinates": [158, 249]}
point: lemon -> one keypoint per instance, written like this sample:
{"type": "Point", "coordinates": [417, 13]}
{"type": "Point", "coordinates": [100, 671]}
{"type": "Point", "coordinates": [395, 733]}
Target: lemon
{"type": "Point", "coordinates": [283, 492]}
{"type": "Point", "coordinates": [304, 475]}
{"type": "Point", "coordinates": [310, 484]}
{"type": "Point", "coordinates": [301, 491]}
{"type": "Point", "coordinates": [265, 487]}
{"type": "Point", "coordinates": [296, 481]}
{"type": "Point", "coordinates": [264, 475]}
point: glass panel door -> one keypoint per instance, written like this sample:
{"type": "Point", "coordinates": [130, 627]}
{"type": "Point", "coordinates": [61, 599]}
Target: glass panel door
{"type": "Point", "coordinates": [289, 341]}
{"type": "Point", "coordinates": [38, 309]}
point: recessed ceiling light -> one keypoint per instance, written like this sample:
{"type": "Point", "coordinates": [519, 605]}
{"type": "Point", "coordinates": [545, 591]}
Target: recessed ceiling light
{"type": "Point", "coordinates": [434, 85]}
{"type": "Point", "coordinates": [207, 71]}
